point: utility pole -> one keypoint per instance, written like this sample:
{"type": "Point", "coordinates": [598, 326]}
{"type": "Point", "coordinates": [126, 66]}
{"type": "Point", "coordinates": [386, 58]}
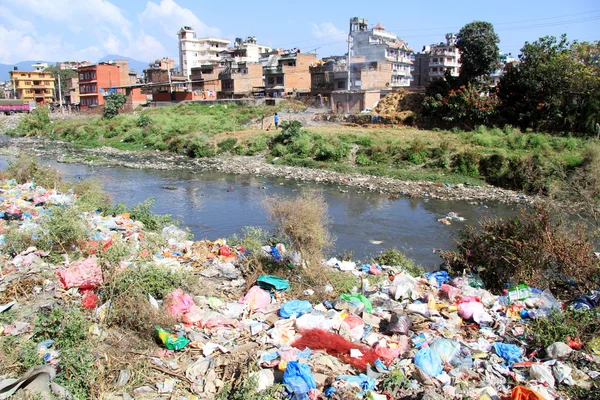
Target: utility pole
{"type": "Point", "coordinates": [349, 41]}
{"type": "Point", "coordinates": [60, 103]}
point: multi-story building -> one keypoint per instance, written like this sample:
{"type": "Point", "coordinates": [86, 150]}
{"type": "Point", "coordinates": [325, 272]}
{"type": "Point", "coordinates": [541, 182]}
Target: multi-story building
{"type": "Point", "coordinates": [503, 61]}
{"type": "Point", "coordinates": [379, 45]}
{"type": "Point", "coordinates": [421, 68]}
{"type": "Point", "coordinates": [287, 73]}
{"type": "Point", "coordinates": [196, 52]}
{"type": "Point", "coordinates": [74, 64]}
{"type": "Point", "coordinates": [240, 79]}
{"type": "Point", "coordinates": [444, 57]}
{"type": "Point", "coordinates": [95, 81]}
{"type": "Point", "coordinates": [205, 80]}
{"type": "Point", "coordinates": [39, 67]}
{"type": "Point", "coordinates": [245, 51]}
{"type": "Point", "coordinates": [162, 80]}
{"type": "Point", "coordinates": [35, 86]}
{"type": "Point", "coordinates": [71, 94]}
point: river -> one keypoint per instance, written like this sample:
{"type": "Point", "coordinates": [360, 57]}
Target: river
{"type": "Point", "coordinates": [214, 205]}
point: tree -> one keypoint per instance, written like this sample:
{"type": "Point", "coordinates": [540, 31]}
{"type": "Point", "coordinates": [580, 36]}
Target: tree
{"type": "Point", "coordinates": [478, 45]}
{"type": "Point", "coordinates": [65, 75]}
{"type": "Point", "coordinates": [2, 95]}
{"type": "Point", "coordinates": [112, 103]}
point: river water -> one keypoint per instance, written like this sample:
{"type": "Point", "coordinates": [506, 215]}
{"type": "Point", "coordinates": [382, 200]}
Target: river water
{"type": "Point", "coordinates": [214, 205]}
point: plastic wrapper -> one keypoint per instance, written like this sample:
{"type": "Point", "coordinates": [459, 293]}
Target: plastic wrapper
{"type": "Point", "coordinates": [295, 308]}
{"type": "Point", "coordinates": [429, 361]}
{"type": "Point", "coordinates": [357, 299]}
{"type": "Point", "coordinates": [399, 324]}
{"type": "Point", "coordinates": [298, 380]}
{"type": "Point", "coordinates": [85, 275]}
{"type": "Point", "coordinates": [178, 303]}
{"type": "Point", "coordinates": [509, 352]}
{"type": "Point", "coordinates": [171, 340]}
{"type": "Point", "coordinates": [446, 349]}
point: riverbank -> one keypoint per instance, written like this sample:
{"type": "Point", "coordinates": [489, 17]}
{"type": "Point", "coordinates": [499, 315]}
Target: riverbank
{"type": "Point", "coordinates": [258, 165]}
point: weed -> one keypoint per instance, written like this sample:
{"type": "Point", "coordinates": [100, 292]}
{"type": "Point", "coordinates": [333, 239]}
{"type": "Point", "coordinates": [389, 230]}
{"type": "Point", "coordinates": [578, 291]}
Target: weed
{"type": "Point", "coordinates": [466, 163]}
{"type": "Point", "coordinates": [26, 168]}
{"type": "Point", "coordinates": [150, 279]}
{"type": "Point", "coordinates": [143, 121]}
{"type": "Point", "coordinates": [142, 212]}
{"type": "Point", "coordinates": [584, 324]}
{"type": "Point", "coordinates": [91, 195]}
{"type": "Point", "coordinates": [63, 229]}
{"type": "Point", "coordinates": [395, 383]}
{"type": "Point", "coordinates": [226, 145]}
{"type": "Point", "coordinates": [256, 145]}
{"type": "Point", "coordinates": [343, 282]}
{"type": "Point", "coordinates": [394, 257]}
{"type": "Point", "coordinates": [253, 238]}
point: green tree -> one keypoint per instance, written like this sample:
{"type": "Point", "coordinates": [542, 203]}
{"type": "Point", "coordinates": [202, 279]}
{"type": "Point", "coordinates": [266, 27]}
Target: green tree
{"type": "Point", "coordinates": [555, 87]}
{"type": "Point", "coordinates": [478, 45]}
{"type": "Point", "coordinates": [65, 75]}
{"type": "Point", "coordinates": [2, 95]}
{"type": "Point", "coordinates": [112, 103]}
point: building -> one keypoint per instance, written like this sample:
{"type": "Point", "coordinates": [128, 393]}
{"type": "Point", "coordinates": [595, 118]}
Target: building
{"type": "Point", "coordinates": [95, 81]}
{"type": "Point", "coordinates": [444, 57]}
{"type": "Point", "coordinates": [420, 72]}
{"type": "Point", "coordinates": [74, 64]}
{"type": "Point", "coordinates": [196, 52]}
{"type": "Point", "coordinates": [245, 51]}
{"type": "Point", "coordinates": [287, 73]}
{"type": "Point", "coordinates": [379, 45]}
{"type": "Point", "coordinates": [162, 79]}
{"type": "Point", "coordinates": [503, 61]}
{"type": "Point", "coordinates": [71, 94]}
{"type": "Point", "coordinates": [240, 79]}
{"type": "Point", "coordinates": [35, 86]}
{"type": "Point", "coordinates": [38, 67]}
{"type": "Point", "coordinates": [205, 81]}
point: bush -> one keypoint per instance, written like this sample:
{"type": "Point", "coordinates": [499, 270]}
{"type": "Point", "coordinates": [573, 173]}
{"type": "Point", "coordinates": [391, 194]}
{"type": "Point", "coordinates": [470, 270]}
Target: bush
{"type": "Point", "coordinates": [394, 257]}
{"type": "Point", "coordinates": [141, 212]}
{"type": "Point", "coordinates": [304, 221]}
{"type": "Point", "coordinates": [226, 145]}
{"type": "Point", "coordinates": [34, 123]}
{"type": "Point", "coordinates": [466, 163]}
{"type": "Point", "coordinates": [331, 151]}
{"type": "Point", "coordinates": [584, 324]}
{"type": "Point", "coordinates": [63, 230]}
{"type": "Point", "coordinates": [143, 121]}
{"type": "Point", "coordinates": [112, 104]}
{"type": "Point", "coordinates": [26, 168]}
{"type": "Point", "coordinates": [257, 145]}
{"type": "Point", "coordinates": [534, 249]}
{"type": "Point", "coordinates": [290, 130]}
{"type": "Point", "coordinates": [199, 146]}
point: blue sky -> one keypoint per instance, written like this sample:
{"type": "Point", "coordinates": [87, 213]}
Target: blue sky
{"type": "Point", "coordinates": [146, 30]}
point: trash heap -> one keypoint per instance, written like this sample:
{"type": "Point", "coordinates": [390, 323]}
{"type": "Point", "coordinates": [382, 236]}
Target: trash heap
{"type": "Point", "coordinates": [400, 104]}
{"type": "Point", "coordinates": [432, 336]}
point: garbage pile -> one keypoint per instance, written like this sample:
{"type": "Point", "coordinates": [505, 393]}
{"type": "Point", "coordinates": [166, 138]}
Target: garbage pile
{"type": "Point", "coordinates": [400, 104]}
{"type": "Point", "coordinates": [396, 336]}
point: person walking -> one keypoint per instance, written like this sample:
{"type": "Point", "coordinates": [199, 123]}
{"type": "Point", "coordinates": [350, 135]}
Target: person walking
{"type": "Point", "coordinates": [276, 119]}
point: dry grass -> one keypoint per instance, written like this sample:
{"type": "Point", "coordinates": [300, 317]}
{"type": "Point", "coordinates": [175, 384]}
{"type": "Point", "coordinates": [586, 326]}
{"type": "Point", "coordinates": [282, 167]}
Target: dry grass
{"type": "Point", "coordinates": [132, 310]}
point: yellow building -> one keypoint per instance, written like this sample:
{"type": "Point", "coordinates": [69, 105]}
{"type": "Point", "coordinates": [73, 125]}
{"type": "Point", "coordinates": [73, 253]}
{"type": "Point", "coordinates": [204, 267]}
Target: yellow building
{"type": "Point", "coordinates": [35, 86]}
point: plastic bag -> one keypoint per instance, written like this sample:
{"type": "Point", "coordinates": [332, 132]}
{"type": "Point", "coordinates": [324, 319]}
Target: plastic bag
{"type": "Point", "coordinates": [446, 349]}
{"type": "Point", "coordinates": [85, 275]}
{"type": "Point", "coordinates": [451, 292]}
{"type": "Point", "coordinates": [542, 373]}
{"type": "Point", "coordinates": [404, 286]}
{"type": "Point", "coordinates": [171, 340]}
{"type": "Point", "coordinates": [298, 379]}
{"type": "Point", "coordinates": [509, 352]}
{"type": "Point", "coordinates": [562, 373]}
{"type": "Point", "coordinates": [178, 302]}
{"type": "Point", "coordinates": [474, 281]}
{"type": "Point", "coordinates": [272, 283]}
{"type": "Point", "coordinates": [558, 350]}
{"type": "Point", "coordinates": [469, 306]}
{"type": "Point", "coordinates": [438, 278]}
{"type": "Point", "coordinates": [356, 299]}
{"type": "Point", "coordinates": [399, 323]}
{"type": "Point", "coordinates": [525, 393]}
{"type": "Point", "coordinates": [256, 298]}
{"type": "Point", "coordinates": [362, 381]}
{"type": "Point", "coordinates": [429, 361]}
{"type": "Point", "coordinates": [89, 300]}
{"type": "Point", "coordinates": [295, 307]}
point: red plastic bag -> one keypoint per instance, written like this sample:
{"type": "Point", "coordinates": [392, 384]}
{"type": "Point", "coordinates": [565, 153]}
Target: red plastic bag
{"type": "Point", "coordinates": [451, 292]}
{"type": "Point", "coordinates": [335, 345]}
{"type": "Point", "coordinates": [574, 343]}
{"type": "Point", "coordinates": [85, 275]}
{"type": "Point", "coordinates": [524, 393]}
{"type": "Point", "coordinates": [225, 251]}
{"type": "Point", "coordinates": [89, 300]}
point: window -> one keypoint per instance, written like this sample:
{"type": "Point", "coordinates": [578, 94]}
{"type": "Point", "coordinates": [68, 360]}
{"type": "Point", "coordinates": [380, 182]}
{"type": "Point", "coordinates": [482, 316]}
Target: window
{"type": "Point", "coordinates": [435, 60]}
{"type": "Point", "coordinates": [317, 79]}
{"type": "Point", "coordinates": [280, 80]}
{"type": "Point", "coordinates": [448, 60]}
{"type": "Point", "coordinates": [93, 74]}
{"type": "Point", "coordinates": [271, 81]}
{"type": "Point", "coordinates": [82, 89]}
{"type": "Point", "coordinates": [87, 75]}
{"type": "Point", "coordinates": [95, 100]}
{"type": "Point", "coordinates": [341, 84]}
{"type": "Point", "coordinates": [81, 76]}
{"type": "Point", "coordinates": [93, 88]}
{"type": "Point", "coordinates": [28, 83]}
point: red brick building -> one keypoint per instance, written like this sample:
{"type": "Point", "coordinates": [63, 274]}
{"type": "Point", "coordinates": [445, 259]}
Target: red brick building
{"type": "Point", "coordinates": [94, 81]}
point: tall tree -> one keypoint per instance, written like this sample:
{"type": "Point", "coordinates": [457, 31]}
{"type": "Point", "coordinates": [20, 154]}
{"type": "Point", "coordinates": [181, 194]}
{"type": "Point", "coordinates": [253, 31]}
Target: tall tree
{"type": "Point", "coordinates": [65, 74]}
{"type": "Point", "coordinates": [478, 45]}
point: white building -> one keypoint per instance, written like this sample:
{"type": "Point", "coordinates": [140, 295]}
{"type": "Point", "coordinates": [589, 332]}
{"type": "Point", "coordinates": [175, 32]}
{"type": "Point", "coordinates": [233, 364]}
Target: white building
{"type": "Point", "coordinates": [444, 57]}
{"type": "Point", "coordinates": [245, 51]}
{"type": "Point", "coordinates": [38, 67]}
{"type": "Point", "coordinates": [379, 45]}
{"type": "Point", "coordinates": [195, 52]}
{"type": "Point", "coordinates": [503, 61]}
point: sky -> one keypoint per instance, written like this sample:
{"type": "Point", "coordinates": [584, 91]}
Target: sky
{"type": "Point", "coordinates": [145, 30]}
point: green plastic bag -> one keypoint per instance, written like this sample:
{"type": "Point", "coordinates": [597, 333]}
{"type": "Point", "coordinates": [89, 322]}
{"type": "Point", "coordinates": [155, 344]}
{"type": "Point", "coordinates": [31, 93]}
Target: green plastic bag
{"type": "Point", "coordinates": [171, 340]}
{"type": "Point", "coordinates": [475, 281]}
{"type": "Point", "coordinates": [272, 283]}
{"type": "Point", "coordinates": [358, 298]}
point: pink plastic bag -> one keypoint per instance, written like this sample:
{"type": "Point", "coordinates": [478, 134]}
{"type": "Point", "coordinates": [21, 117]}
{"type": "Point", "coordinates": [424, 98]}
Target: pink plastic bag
{"type": "Point", "coordinates": [193, 316]}
{"type": "Point", "coordinates": [85, 275]}
{"type": "Point", "coordinates": [451, 292]}
{"type": "Point", "coordinates": [373, 270]}
{"type": "Point", "coordinates": [178, 302]}
{"type": "Point", "coordinates": [256, 298]}
{"type": "Point", "coordinates": [467, 309]}
{"type": "Point", "coordinates": [353, 321]}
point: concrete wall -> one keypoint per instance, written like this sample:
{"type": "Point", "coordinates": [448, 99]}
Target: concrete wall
{"type": "Point", "coordinates": [298, 76]}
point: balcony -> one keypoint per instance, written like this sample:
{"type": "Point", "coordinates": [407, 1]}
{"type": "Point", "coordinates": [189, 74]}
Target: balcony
{"type": "Point", "coordinates": [273, 70]}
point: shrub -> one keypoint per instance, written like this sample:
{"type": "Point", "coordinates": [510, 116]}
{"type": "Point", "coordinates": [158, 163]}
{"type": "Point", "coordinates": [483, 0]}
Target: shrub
{"type": "Point", "coordinates": [226, 145]}
{"type": "Point", "coordinates": [336, 151]}
{"type": "Point", "coordinates": [363, 160]}
{"type": "Point", "coordinates": [112, 104]}
{"type": "Point", "coordinates": [304, 221]}
{"type": "Point", "coordinates": [394, 257]}
{"type": "Point", "coordinates": [416, 152]}
{"type": "Point", "coordinates": [199, 146]}
{"type": "Point", "coordinates": [290, 130]}
{"type": "Point", "coordinates": [143, 121]}
{"type": "Point", "coordinates": [534, 249]}
{"type": "Point", "coordinates": [34, 123]}
{"type": "Point", "coordinates": [142, 212]}
{"type": "Point", "coordinates": [584, 324]}
{"type": "Point", "coordinates": [63, 229]}
{"type": "Point", "coordinates": [466, 163]}
{"type": "Point", "coordinates": [91, 195]}
{"type": "Point", "coordinates": [279, 150]}
{"type": "Point", "coordinates": [257, 145]}
{"type": "Point", "coordinates": [26, 168]}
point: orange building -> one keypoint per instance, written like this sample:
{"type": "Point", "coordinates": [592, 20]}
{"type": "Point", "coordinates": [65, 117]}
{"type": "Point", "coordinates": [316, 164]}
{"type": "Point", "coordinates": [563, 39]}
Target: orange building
{"type": "Point", "coordinates": [95, 81]}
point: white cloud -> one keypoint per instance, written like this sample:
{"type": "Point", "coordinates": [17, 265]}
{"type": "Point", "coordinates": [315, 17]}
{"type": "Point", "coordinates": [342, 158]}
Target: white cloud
{"type": "Point", "coordinates": [17, 45]}
{"type": "Point", "coordinates": [170, 17]}
{"type": "Point", "coordinates": [147, 47]}
{"type": "Point", "coordinates": [327, 30]}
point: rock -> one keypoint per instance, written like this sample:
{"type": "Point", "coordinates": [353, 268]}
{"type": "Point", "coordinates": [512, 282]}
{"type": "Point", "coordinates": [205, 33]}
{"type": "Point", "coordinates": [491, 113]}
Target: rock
{"type": "Point", "coordinates": [431, 394]}
{"type": "Point", "coordinates": [124, 376]}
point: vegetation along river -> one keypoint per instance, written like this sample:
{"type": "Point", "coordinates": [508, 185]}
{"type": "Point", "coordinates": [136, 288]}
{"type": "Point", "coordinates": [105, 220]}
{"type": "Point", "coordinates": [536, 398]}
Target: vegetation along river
{"type": "Point", "coordinates": [214, 205]}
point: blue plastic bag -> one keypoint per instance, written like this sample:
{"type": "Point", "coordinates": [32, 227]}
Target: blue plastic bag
{"type": "Point", "coordinates": [361, 380]}
{"type": "Point", "coordinates": [429, 361]}
{"type": "Point", "coordinates": [439, 276]}
{"type": "Point", "coordinates": [446, 349]}
{"type": "Point", "coordinates": [298, 380]}
{"type": "Point", "coordinates": [295, 307]}
{"type": "Point", "coordinates": [509, 352]}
